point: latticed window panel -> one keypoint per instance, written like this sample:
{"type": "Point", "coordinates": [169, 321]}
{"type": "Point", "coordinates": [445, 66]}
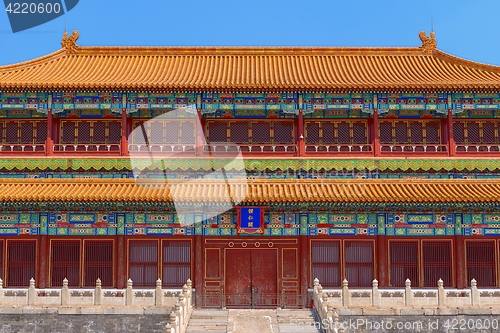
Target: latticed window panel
{"type": "Point", "coordinates": [261, 133]}
{"type": "Point", "coordinates": [459, 132]}
{"type": "Point", "coordinates": [489, 133]}
{"type": "Point", "coordinates": [176, 257]}
{"type": "Point", "coordinates": [326, 262]}
{"type": "Point", "coordinates": [312, 133]}
{"type": "Point", "coordinates": [140, 133]}
{"type": "Point", "coordinates": [84, 132]}
{"type": "Point", "coordinates": [188, 132]}
{"type": "Point", "coordinates": [358, 263]}
{"type": "Point", "coordinates": [359, 133]}
{"type": "Point", "coordinates": [385, 134]}
{"type": "Point", "coordinates": [416, 132]}
{"type": "Point", "coordinates": [403, 263]}
{"type": "Point", "coordinates": [343, 133]}
{"type": "Point", "coordinates": [27, 132]}
{"type": "Point", "coordinates": [217, 132]}
{"type": "Point", "coordinates": [21, 261]}
{"type": "Point", "coordinates": [239, 132]}
{"type": "Point", "coordinates": [157, 135]}
{"type": "Point", "coordinates": [401, 132]}
{"type": "Point", "coordinates": [68, 132]}
{"type": "Point", "coordinates": [115, 132]}
{"type": "Point", "coordinates": [12, 133]}
{"type": "Point", "coordinates": [41, 132]}
{"type": "Point", "coordinates": [436, 260]}
{"type": "Point", "coordinates": [283, 132]}
{"type": "Point", "coordinates": [98, 263]}
{"type": "Point", "coordinates": [328, 133]}
{"type": "Point", "coordinates": [473, 132]}
{"type": "Point", "coordinates": [432, 132]}
{"type": "Point", "coordinates": [65, 263]}
{"type": "Point", "coordinates": [99, 132]}
{"type": "Point", "coordinates": [143, 264]}
{"type": "Point", "coordinates": [480, 258]}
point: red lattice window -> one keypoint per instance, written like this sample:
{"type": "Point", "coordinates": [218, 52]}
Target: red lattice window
{"type": "Point", "coordinates": [432, 132]}
{"type": "Point", "coordinates": [65, 263]}
{"type": "Point", "coordinates": [401, 131]}
{"type": "Point", "coordinates": [328, 133]}
{"type": "Point", "coordinates": [176, 263]}
{"type": "Point", "coordinates": [436, 260]}
{"type": "Point", "coordinates": [481, 263]}
{"type": "Point", "coordinates": [217, 132]}
{"type": "Point", "coordinates": [11, 135]}
{"type": "Point", "coordinates": [359, 263]}
{"type": "Point", "coordinates": [489, 133]}
{"type": "Point", "coordinates": [326, 262]}
{"type": "Point", "coordinates": [99, 132]}
{"type": "Point", "coordinates": [84, 131]}
{"type": "Point", "coordinates": [156, 132]}
{"type": "Point", "coordinates": [239, 132]}
{"type": "Point", "coordinates": [416, 131]}
{"type": "Point", "coordinates": [403, 262]}
{"type": "Point", "coordinates": [188, 132]}
{"type": "Point", "coordinates": [283, 132]}
{"type": "Point", "coordinates": [343, 133]}
{"type": "Point", "coordinates": [68, 132]}
{"type": "Point", "coordinates": [41, 132]}
{"type": "Point", "coordinates": [459, 132]}
{"type": "Point", "coordinates": [473, 133]}
{"type": "Point", "coordinates": [98, 263]}
{"type": "Point", "coordinates": [27, 132]}
{"type": "Point", "coordinates": [385, 132]}
{"type": "Point", "coordinates": [115, 132]}
{"type": "Point", "coordinates": [312, 133]}
{"type": "Point", "coordinates": [261, 132]}
{"type": "Point", "coordinates": [21, 261]}
{"type": "Point", "coordinates": [143, 265]}
{"type": "Point", "coordinates": [359, 131]}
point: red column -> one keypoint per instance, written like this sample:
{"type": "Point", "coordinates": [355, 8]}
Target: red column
{"type": "Point", "coordinates": [124, 141]}
{"type": "Point", "coordinates": [304, 267]}
{"type": "Point", "coordinates": [382, 261]}
{"type": "Point", "coordinates": [460, 269]}
{"type": "Point", "coordinates": [121, 263]}
{"type": "Point", "coordinates": [200, 134]}
{"type": "Point", "coordinates": [43, 262]}
{"type": "Point", "coordinates": [376, 139]}
{"type": "Point", "coordinates": [49, 143]}
{"type": "Point", "coordinates": [451, 139]}
{"type": "Point", "coordinates": [301, 145]}
{"type": "Point", "coordinates": [198, 268]}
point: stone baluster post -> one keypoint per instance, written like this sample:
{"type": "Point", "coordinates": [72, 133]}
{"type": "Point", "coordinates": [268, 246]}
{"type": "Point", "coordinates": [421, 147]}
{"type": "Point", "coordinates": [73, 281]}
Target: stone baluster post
{"type": "Point", "coordinates": [174, 322]}
{"type": "Point", "coordinates": [32, 293]}
{"type": "Point", "coordinates": [408, 293]}
{"type": "Point", "coordinates": [129, 293]}
{"type": "Point", "coordinates": [1, 291]}
{"type": "Point", "coordinates": [345, 293]}
{"type": "Point", "coordinates": [158, 293]}
{"type": "Point", "coordinates": [65, 293]}
{"type": "Point", "coordinates": [189, 285]}
{"type": "Point", "coordinates": [474, 293]}
{"type": "Point", "coordinates": [98, 292]}
{"type": "Point", "coordinates": [178, 313]}
{"type": "Point", "coordinates": [375, 293]}
{"type": "Point", "coordinates": [441, 294]}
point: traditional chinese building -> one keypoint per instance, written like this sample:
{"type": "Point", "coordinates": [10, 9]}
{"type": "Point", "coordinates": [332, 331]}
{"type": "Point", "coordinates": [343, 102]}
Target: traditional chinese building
{"type": "Point", "coordinates": [362, 164]}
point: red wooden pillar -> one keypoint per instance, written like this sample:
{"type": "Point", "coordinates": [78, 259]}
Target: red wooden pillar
{"type": "Point", "coordinates": [304, 267]}
{"type": "Point", "coordinates": [301, 145]}
{"type": "Point", "coordinates": [376, 139]}
{"type": "Point", "coordinates": [382, 261]}
{"type": "Point", "coordinates": [124, 141]}
{"type": "Point", "coordinates": [198, 268]}
{"type": "Point", "coordinates": [49, 143]}
{"type": "Point", "coordinates": [43, 262]}
{"type": "Point", "coordinates": [460, 269]}
{"type": "Point", "coordinates": [121, 263]}
{"type": "Point", "coordinates": [200, 133]}
{"type": "Point", "coordinates": [451, 139]}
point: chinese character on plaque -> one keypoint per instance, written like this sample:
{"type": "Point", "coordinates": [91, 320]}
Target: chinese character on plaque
{"type": "Point", "coordinates": [250, 220]}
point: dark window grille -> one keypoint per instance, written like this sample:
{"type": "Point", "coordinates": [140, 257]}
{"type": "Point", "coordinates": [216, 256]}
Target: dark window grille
{"type": "Point", "coordinates": [176, 263]}
{"type": "Point", "coordinates": [261, 133]}
{"type": "Point", "coordinates": [239, 132]}
{"type": "Point", "coordinates": [115, 132]}
{"type": "Point", "coordinates": [417, 135]}
{"type": "Point", "coordinates": [188, 132]}
{"type": "Point", "coordinates": [27, 132]}
{"type": "Point", "coordinates": [144, 263]}
{"type": "Point", "coordinates": [359, 263]}
{"type": "Point", "coordinates": [65, 263]}
{"type": "Point", "coordinates": [343, 133]}
{"type": "Point", "coordinates": [481, 263]}
{"type": "Point", "coordinates": [326, 262]}
{"type": "Point", "coordinates": [12, 133]}
{"type": "Point", "coordinates": [473, 133]}
{"type": "Point", "coordinates": [68, 132]}
{"type": "Point", "coordinates": [401, 130]}
{"type": "Point", "coordinates": [385, 132]}
{"type": "Point", "coordinates": [21, 260]}
{"type": "Point", "coordinates": [459, 132]}
{"type": "Point", "coordinates": [98, 263]}
{"type": "Point", "coordinates": [41, 132]}
{"type": "Point", "coordinates": [99, 132]}
{"type": "Point", "coordinates": [359, 133]}
{"type": "Point", "coordinates": [312, 133]}
{"type": "Point", "coordinates": [156, 132]}
{"type": "Point", "coordinates": [328, 133]}
{"type": "Point", "coordinates": [217, 132]}
{"type": "Point", "coordinates": [489, 133]}
{"type": "Point", "coordinates": [436, 263]}
{"type": "Point", "coordinates": [432, 132]}
{"type": "Point", "coordinates": [84, 132]}
{"type": "Point", "coordinates": [283, 132]}
{"type": "Point", "coordinates": [403, 263]}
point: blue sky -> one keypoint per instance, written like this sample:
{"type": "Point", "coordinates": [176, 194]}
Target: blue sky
{"type": "Point", "coordinates": [468, 29]}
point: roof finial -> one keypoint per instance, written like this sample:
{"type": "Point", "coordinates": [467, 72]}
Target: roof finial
{"type": "Point", "coordinates": [69, 43]}
{"type": "Point", "coordinates": [429, 44]}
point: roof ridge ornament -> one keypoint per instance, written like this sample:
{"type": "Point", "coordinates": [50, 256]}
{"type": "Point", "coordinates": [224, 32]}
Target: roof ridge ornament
{"type": "Point", "coordinates": [429, 44]}
{"type": "Point", "coordinates": [69, 43]}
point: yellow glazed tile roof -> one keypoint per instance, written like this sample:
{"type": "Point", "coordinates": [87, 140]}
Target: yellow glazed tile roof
{"type": "Point", "coordinates": [249, 69]}
{"type": "Point", "coordinates": [255, 191]}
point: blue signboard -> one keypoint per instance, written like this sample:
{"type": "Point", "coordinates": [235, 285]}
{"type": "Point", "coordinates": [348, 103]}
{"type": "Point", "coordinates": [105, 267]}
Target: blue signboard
{"type": "Point", "coordinates": [250, 220]}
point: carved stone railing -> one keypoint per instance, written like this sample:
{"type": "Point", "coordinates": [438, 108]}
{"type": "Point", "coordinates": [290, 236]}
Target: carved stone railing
{"type": "Point", "coordinates": [329, 303]}
{"type": "Point", "coordinates": [175, 302]}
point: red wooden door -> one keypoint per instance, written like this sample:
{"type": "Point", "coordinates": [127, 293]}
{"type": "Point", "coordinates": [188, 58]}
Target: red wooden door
{"type": "Point", "coordinates": [251, 278]}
